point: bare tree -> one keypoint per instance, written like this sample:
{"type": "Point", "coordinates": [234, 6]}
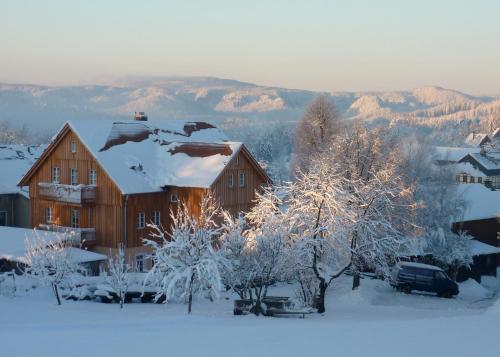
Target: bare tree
{"type": "Point", "coordinates": [315, 130]}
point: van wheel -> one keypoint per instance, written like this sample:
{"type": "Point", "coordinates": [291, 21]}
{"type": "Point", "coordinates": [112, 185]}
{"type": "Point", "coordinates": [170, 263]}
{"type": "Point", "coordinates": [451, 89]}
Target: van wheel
{"type": "Point", "coordinates": [446, 294]}
{"type": "Point", "coordinates": [406, 289]}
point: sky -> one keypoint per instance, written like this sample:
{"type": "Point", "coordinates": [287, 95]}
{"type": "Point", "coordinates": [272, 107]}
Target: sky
{"type": "Point", "coordinates": [336, 45]}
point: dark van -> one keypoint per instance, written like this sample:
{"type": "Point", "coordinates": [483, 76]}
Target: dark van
{"type": "Point", "coordinates": [415, 276]}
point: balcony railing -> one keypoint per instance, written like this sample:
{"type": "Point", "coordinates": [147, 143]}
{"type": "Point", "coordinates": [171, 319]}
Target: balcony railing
{"type": "Point", "coordinates": [77, 194]}
{"type": "Point", "coordinates": [80, 235]}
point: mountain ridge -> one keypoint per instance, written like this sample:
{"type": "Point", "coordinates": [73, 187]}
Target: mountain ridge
{"type": "Point", "coordinates": [211, 98]}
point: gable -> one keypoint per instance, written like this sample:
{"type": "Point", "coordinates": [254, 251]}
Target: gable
{"type": "Point", "coordinates": [59, 154]}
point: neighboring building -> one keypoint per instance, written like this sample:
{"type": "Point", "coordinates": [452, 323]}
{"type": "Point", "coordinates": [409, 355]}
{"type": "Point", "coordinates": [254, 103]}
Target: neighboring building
{"type": "Point", "coordinates": [483, 140]}
{"type": "Point", "coordinates": [481, 221]}
{"type": "Point", "coordinates": [477, 140]}
{"type": "Point", "coordinates": [13, 252]}
{"type": "Point", "coordinates": [483, 167]}
{"type": "Point", "coordinates": [15, 161]}
{"type": "Point", "coordinates": [107, 180]}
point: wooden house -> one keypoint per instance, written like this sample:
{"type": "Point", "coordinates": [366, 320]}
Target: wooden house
{"type": "Point", "coordinates": [481, 221]}
{"type": "Point", "coordinates": [107, 180]}
{"type": "Point", "coordinates": [482, 167]}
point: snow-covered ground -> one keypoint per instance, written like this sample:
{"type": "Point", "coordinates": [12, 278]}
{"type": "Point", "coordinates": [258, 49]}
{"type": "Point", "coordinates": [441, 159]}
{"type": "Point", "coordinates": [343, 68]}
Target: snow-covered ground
{"type": "Point", "coordinates": [373, 321]}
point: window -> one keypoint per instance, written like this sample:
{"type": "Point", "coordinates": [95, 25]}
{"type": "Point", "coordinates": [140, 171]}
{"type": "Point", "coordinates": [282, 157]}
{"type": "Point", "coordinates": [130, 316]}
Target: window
{"type": "Point", "coordinates": [479, 180]}
{"type": "Point", "coordinates": [425, 272]}
{"type": "Point", "coordinates": [48, 215]}
{"type": "Point", "coordinates": [152, 260]}
{"type": "Point", "coordinates": [74, 176]}
{"type": "Point", "coordinates": [440, 275]}
{"type": "Point", "coordinates": [3, 218]}
{"type": "Point", "coordinates": [231, 180]}
{"type": "Point", "coordinates": [141, 220]}
{"type": "Point", "coordinates": [72, 146]}
{"type": "Point", "coordinates": [237, 160]}
{"type": "Point", "coordinates": [139, 263]}
{"type": "Point", "coordinates": [156, 218]}
{"type": "Point", "coordinates": [174, 198]}
{"type": "Point", "coordinates": [75, 218]}
{"type": "Point", "coordinates": [242, 179]}
{"type": "Point", "coordinates": [56, 175]}
{"type": "Point", "coordinates": [92, 177]}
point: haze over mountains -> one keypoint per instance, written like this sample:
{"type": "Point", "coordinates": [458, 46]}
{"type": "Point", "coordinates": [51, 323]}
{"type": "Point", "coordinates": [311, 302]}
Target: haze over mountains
{"type": "Point", "coordinates": [205, 98]}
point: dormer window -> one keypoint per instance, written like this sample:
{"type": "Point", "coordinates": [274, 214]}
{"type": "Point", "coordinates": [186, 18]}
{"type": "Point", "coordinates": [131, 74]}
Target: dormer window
{"type": "Point", "coordinates": [72, 146]}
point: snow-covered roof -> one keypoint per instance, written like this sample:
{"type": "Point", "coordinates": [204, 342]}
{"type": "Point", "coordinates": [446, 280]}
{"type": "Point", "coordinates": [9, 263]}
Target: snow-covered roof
{"type": "Point", "coordinates": [490, 161]}
{"type": "Point", "coordinates": [420, 265]}
{"type": "Point", "coordinates": [12, 245]}
{"type": "Point", "coordinates": [480, 248]}
{"type": "Point", "coordinates": [15, 161]}
{"type": "Point", "coordinates": [482, 203]}
{"type": "Point", "coordinates": [468, 168]}
{"type": "Point", "coordinates": [476, 139]}
{"type": "Point", "coordinates": [145, 156]}
{"type": "Point", "coordinates": [452, 154]}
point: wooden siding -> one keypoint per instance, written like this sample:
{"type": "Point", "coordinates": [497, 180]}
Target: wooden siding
{"type": "Point", "coordinates": [237, 199]}
{"type": "Point", "coordinates": [105, 215]}
{"type": "Point", "coordinates": [159, 201]}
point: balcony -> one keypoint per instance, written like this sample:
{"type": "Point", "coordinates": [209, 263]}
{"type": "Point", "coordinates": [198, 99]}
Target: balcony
{"type": "Point", "coordinates": [76, 195]}
{"type": "Point", "coordinates": [80, 235]}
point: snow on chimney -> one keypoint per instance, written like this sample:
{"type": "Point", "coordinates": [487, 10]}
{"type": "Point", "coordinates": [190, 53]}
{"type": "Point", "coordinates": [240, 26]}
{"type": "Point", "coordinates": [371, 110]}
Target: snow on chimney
{"type": "Point", "coordinates": [140, 116]}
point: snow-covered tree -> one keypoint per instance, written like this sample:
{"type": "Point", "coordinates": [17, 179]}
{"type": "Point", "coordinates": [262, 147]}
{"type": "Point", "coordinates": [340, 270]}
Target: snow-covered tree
{"type": "Point", "coordinates": [185, 259]}
{"type": "Point", "coordinates": [268, 244]}
{"type": "Point", "coordinates": [317, 209]}
{"type": "Point", "coordinates": [239, 274]}
{"type": "Point", "coordinates": [258, 247]}
{"type": "Point", "coordinates": [315, 130]}
{"type": "Point", "coordinates": [380, 205]}
{"type": "Point", "coordinates": [50, 260]}
{"type": "Point", "coordinates": [118, 278]}
{"type": "Point", "coordinates": [442, 205]}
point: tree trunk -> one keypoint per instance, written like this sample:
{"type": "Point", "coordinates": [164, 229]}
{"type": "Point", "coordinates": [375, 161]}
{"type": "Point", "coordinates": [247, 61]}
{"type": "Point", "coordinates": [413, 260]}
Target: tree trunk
{"type": "Point", "coordinates": [56, 292]}
{"type": "Point", "coordinates": [190, 298]}
{"type": "Point", "coordinates": [122, 298]}
{"type": "Point", "coordinates": [321, 298]}
{"type": "Point", "coordinates": [356, 280]}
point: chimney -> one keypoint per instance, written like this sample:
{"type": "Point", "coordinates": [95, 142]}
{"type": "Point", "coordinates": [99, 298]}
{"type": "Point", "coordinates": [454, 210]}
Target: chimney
{"type": "Point", "coordinates": [140, 116]}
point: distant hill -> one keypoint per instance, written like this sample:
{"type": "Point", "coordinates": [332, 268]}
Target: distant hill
{"type": "Point", "coordinates": [205, 98]}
